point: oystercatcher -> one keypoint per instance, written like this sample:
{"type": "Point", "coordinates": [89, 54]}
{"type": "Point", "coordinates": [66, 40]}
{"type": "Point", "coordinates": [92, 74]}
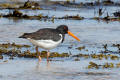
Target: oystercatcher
{"type": "Point", "coordinates": [48, 38]}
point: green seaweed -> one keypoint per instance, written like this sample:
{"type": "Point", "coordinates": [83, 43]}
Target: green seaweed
{"type": "Point", "coordinates": [108, 65]}
{"type": "Point", "coordinates": [93, 65]}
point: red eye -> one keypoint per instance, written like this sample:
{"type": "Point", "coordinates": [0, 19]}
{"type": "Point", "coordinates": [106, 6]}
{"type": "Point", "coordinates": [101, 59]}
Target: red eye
{"type": "Point", "coordinates": [65, 27]}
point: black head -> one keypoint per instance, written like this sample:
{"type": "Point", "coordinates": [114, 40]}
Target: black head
{"type": "Point", "coordinates": [62, 29]}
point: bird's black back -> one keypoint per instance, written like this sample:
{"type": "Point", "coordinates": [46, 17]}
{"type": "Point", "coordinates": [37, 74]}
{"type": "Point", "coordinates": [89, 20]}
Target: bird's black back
{"type": "Point", "coordinates": [44, 34]}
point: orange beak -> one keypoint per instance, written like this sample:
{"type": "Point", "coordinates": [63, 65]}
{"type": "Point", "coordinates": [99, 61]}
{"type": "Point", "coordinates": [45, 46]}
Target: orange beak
{"type": "Point", "coordinates": [71, 34]}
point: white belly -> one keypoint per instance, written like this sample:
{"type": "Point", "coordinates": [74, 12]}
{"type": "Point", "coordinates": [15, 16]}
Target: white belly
{"type": "Point", "coordinates": [45, 44]}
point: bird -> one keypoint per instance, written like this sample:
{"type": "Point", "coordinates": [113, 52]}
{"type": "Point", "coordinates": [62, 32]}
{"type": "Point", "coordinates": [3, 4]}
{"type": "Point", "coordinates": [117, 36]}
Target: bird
{"type": "Point", "coordinates": [48, 38]}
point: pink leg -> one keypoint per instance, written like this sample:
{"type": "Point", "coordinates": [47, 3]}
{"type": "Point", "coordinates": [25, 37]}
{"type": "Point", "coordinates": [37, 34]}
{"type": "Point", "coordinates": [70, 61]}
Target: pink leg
{"type": "Point", "coordinates": [48, 54]}
{"type": "Point", "coordinates": [38, 53]}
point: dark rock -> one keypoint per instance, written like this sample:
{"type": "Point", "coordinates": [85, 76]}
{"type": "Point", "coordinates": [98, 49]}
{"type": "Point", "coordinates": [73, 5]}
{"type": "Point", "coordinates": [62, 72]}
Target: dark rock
{"type": "Point", "coordinates": [30, 4]}
{"type": "Point", "coordinates": [116, 14]}
{"type": "Point", "coordinates": [17, 13]}
{"type": "Point", "coordinates": [1, 57]}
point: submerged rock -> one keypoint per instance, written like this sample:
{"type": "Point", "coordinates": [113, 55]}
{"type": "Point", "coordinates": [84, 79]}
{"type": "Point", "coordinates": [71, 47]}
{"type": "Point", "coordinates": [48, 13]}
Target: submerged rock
{"type": "Point", "coordinates": [76, 59]}
{"type": "Point", "coordinates": [81, 48]}
{"type": "Point", "coordinates": [17, 13]}
{"type": "Point", "coordinates": [76, 17]}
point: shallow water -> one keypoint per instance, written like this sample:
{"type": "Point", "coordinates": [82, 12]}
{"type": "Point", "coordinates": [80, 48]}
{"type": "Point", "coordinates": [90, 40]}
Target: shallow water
{"type": "Point", "coordinates": [30, 69]}
{"type": "Point", "coordinates": [93, 34]}
{"type": "Point", "coordinates": [89, 31]}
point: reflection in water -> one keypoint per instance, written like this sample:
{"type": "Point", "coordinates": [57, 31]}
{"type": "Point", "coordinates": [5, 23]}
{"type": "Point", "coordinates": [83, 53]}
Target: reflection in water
{"type": "Point", "coordinates": [15, 20]}
{"type": "Point", "coordinates": [48, 64]}
{"type": "Point", "coordinates": [38, 65]}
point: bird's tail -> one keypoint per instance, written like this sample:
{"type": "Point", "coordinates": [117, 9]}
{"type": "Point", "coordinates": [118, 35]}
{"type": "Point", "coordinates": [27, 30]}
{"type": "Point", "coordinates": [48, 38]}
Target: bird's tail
{"type": "Point", "coordinates": [25, 35]}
